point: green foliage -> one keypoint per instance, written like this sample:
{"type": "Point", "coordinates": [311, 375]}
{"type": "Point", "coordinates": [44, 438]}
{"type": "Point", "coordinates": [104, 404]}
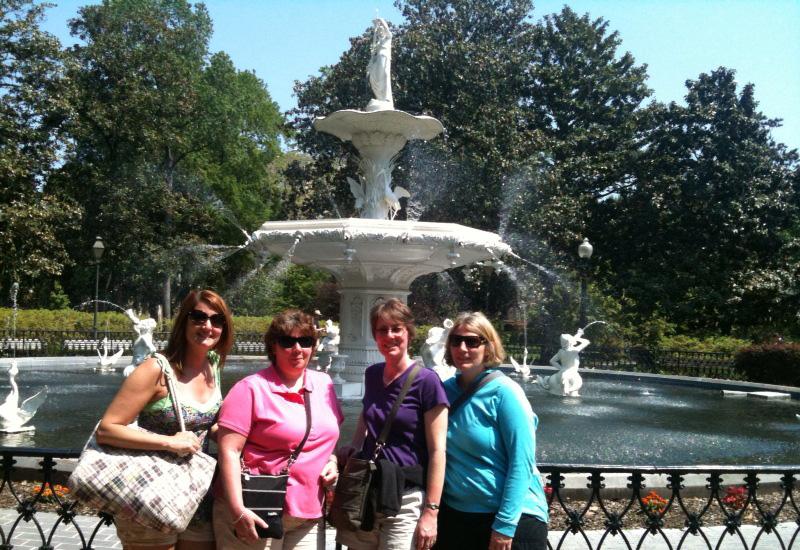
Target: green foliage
{"type": "Point", "coordinates": [718, 344]}
{"type": "Point", "coordinates": [280, 286]}
{"type": "Point", "coordinates": [32, 107]}
{"type": "Point", "coordinates": [773, 363]}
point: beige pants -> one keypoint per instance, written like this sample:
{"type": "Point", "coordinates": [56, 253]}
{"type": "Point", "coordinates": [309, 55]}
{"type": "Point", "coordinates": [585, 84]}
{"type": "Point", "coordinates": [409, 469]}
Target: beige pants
{"type": "Point", "coordinates": [131, 533]}
{"type": "Point", "coordinates": [390, 533]}
{"type": "Point", "coordinates": [298, 533]}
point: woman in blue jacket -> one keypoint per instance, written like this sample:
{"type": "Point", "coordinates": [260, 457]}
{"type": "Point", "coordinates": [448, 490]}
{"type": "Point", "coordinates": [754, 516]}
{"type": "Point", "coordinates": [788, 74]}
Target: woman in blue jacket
{"type": "Point", "coordinates": [493, 495]}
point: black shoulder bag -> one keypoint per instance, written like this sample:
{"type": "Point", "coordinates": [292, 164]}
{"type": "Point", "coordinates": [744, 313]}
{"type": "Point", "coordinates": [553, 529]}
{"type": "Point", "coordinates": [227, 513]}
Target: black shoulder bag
{"type": "Point", "coordinates": [266, 494]}
{"type": "Point", "coordinates": [351, 509]}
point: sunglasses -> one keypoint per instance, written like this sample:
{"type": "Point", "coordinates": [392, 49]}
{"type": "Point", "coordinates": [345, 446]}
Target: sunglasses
{"type": "Point", "coordinates": [200, 317]}
{"type": "Point", "coordinates": [288, 342]}
{"type": "Point", "coordinates": [472, 342]}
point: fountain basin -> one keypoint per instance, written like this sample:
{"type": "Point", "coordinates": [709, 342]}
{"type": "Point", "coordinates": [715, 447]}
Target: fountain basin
{"type": "Point", "coordinates": [372, 260]}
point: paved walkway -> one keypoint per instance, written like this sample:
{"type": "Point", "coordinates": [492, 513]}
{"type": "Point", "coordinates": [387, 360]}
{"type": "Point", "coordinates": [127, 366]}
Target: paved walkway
{"type": "Point", "coordinates": [26, 536]}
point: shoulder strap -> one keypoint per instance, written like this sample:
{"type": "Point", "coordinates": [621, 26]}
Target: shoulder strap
{"type": "Point", "coordinates": [166, 368]}
{"type": "Point", "coordinates": [298, 450]}
{"type": "Point", "coordinates": [475, 386]}
{"type": "Point", "coordinates": [395, 407]}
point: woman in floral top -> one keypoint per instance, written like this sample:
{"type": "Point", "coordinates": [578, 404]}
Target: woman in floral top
{"type": "Point", "coordinates": [201, 337]}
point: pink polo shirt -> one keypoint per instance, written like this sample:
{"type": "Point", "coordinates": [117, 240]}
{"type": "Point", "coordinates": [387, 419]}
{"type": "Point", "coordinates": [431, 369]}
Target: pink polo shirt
{"type": "Point", "coordinates": [273, 419]}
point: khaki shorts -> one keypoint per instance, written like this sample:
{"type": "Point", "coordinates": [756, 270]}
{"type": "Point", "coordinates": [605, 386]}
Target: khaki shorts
{"type": "Point", "coordinates": [299, 533]}
{"type": "Point", "coordinates": [390, 532]}
{"type": "Point", "coordinates": [131, 533]}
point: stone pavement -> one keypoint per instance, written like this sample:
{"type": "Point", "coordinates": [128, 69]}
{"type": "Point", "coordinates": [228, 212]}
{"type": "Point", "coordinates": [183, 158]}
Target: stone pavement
{"type": "Point", "coordinates": [26, 536]}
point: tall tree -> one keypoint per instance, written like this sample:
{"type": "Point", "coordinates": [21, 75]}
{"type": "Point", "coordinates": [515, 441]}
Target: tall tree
{"type": "Point", "coordinates": [32, 108]}
{"type": "Point", "coordinates": [172, 146]}
{"type": "Point", "coordinates": [707, 237]}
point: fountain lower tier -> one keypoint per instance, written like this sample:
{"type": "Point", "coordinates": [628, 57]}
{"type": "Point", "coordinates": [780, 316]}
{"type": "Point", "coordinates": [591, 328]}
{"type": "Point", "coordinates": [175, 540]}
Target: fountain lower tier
{"type": "Point", "coordinates": [373, 260]}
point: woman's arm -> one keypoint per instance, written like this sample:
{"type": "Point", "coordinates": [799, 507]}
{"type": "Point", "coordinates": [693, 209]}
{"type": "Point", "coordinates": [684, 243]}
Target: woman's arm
{"type": "Point", "coordinates": [230, 451]}
{"type": "Point", "coordinates": [515, 421]}
{"type": "Point", "coordinates": [436, 438]}
{"type": "Point", "coordinates": [141, 387]}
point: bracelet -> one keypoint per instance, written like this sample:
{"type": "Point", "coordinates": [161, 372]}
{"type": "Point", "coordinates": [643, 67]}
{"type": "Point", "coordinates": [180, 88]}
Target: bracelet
{"type": "Point", "coordinates": [239, 518]}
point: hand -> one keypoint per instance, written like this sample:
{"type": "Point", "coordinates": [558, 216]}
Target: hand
{"type": "Point", "coordinates": [184, 443]}
{"type": "Point", "coordinates": [330, 473]}
{"type": "Point", "coordinates": [245, 528]}
{"type": "Point", "coordinates": [426, 529]}
{"type": "Point", "coordinates": [499, 542]}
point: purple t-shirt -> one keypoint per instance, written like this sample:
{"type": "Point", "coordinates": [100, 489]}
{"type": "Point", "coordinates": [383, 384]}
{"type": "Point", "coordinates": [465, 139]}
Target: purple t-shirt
{"type": "Point", "coordinates": [406, 444]}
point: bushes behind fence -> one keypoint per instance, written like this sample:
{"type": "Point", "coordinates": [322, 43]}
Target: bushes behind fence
{"type": "Point", "coordinates": [775, 363]}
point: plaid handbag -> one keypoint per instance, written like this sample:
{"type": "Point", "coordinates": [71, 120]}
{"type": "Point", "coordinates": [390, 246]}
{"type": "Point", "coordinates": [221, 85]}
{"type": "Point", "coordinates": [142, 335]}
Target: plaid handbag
{"type": "Point", "coordinates": [157, 489]}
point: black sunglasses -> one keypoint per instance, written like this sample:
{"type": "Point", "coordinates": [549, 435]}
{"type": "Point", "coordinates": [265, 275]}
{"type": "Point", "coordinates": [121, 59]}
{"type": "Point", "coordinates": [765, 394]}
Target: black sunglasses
{"type": "Point", "coordinates": [288, 342]}
{"type": "Point", "coordinates": [472, 342]}
{"type": "Point", "coordinates": [200, 317]}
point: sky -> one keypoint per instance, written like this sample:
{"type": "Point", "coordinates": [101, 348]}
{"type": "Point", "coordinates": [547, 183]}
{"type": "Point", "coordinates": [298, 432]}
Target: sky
{"type": "Point", "coordinates": [283, 41]}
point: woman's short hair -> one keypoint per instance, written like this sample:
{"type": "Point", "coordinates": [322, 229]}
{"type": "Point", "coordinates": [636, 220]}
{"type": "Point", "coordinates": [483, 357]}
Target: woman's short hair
{"type": "Point", "coordinates": [175, 351]}
{"type": "Point", "coordinates": [478, 323]}
{"type": "Point", "coordinates": [286, 322]}
{"type": "Point", "coordinates": [395, 311]}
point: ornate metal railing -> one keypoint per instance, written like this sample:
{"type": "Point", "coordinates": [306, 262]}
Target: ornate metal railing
{"type": "Point", "coordinates": [743, 507]}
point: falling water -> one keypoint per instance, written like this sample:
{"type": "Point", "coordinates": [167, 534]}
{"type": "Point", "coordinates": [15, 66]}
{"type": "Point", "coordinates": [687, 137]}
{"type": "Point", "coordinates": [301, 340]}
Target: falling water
{"type": "Point", "coordinates": [14, 309]}
{"type": "Point", "coordinates": [275, 273]}
{"type": "Point", "coordinates": [88, 302]}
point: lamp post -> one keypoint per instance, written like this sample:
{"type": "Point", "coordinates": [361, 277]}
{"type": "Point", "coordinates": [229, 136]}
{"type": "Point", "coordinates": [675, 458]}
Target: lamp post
{"type": "Point", "coordinates": [97, 250]}
{"type": "Point", "coordinates": [585, 250]}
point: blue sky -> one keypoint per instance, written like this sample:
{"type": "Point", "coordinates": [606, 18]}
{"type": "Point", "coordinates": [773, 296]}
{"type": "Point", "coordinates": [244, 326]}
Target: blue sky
{"type": "Point", "coordinates": [283, 41]}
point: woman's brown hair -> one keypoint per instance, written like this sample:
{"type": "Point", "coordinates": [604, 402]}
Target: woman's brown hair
{"type": "Point", "coordinates": [176, 345]}
{"type": "Point", "coordinates": [395, 311]}
{"type": "Point", "coordinates": [285, 323]}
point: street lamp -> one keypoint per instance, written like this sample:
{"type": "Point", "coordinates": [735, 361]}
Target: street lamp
{"type": "Point", "coordinates": [585, 250]}
{"type": "Point", "coordinates": [97, 250]}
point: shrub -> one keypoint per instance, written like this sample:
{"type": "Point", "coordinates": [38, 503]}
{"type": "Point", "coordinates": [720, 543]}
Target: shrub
{"type": "Point", "coordinates": [774, 363]}
{"type": "Point", "coordinates": [721, 344]}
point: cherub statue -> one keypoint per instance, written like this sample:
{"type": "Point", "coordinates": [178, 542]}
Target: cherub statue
{"type": "Point", "coordinates": [567, 381]}
{"type": "Point", "coordinates": [328, 346]}
{"type": "Point", "coordinates": [143, 346]}
{"type": "Point", "coordinates": [434, 348]}
{"type": "Point", "coordinates": [379, 67]}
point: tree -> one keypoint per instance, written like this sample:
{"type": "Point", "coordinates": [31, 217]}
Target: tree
{"type": "Point", "coordinates": [707, 236]}
{"type": "Point", "coordinates": [32, 108]}
{"type": "Point", "coordinates": [171, 147]}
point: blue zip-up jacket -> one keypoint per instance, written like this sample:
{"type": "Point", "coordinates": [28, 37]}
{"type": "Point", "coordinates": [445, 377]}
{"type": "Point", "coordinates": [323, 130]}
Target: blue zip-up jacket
{"type": "Point", "coordinates": [491, 455]}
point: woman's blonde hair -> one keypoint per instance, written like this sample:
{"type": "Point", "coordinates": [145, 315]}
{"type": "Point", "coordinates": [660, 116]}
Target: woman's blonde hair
{"type": "Point", "coordinates": [478, 323]}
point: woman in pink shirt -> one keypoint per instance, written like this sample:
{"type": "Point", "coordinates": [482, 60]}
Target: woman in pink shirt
{"type": "Point", "coordinates": [262, 421]}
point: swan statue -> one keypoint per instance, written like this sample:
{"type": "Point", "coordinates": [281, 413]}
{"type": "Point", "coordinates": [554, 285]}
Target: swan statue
{"type": "Point", "coordinates": [523, 370]}
{"type": "Point", "coordinates": [13, 416]}
{"type": "Point", "coordinates": [104, 362]}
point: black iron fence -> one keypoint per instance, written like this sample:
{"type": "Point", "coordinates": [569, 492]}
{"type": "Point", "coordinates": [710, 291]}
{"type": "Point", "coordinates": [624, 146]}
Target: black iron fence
{"type": "Point", "coordinates": [641, 359]}
{"type": "Point", "coordinates": [61, 343]}
{"type": "Point", "coordinates": [745, 507]}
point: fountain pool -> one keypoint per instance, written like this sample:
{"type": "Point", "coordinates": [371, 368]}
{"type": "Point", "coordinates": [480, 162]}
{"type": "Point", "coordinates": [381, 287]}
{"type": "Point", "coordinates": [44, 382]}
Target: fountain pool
{"type": "Point", "coordinates": [625, 422]}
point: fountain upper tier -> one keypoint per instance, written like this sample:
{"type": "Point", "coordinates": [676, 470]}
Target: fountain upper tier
{"type": "Point", "coordinates": [373, 253]}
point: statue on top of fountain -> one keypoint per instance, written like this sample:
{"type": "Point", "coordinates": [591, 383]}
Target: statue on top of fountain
{"type": "Point", "coordinates": [379, 68]}
{"type": "Point", "coordinates": [567, 381]}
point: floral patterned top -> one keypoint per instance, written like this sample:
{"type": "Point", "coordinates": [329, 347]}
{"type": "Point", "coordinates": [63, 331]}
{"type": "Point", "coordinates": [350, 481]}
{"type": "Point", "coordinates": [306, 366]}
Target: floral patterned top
{"type": "Point", "coordinates": [159, 416]}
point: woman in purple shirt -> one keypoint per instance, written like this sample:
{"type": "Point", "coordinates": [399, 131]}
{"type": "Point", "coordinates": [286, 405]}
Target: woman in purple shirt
{"type": "Point", "coordinates": [416, 441]}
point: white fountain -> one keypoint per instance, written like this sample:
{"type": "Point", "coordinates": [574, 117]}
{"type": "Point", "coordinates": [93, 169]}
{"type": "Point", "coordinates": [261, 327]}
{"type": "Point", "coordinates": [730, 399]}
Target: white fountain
{"type": "Point", "coordinates": [375, 257]}
{"type": "Point", "coordinates": [14, 415]}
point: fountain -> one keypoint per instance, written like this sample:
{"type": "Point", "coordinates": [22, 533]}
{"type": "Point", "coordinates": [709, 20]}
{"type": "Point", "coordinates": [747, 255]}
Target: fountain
{"type": "Point", "coordinates": [375, 257]}
{"type": "Point", "coordinates": [143, 346]}
{"type": "Point", "coordinates": [104, 362]}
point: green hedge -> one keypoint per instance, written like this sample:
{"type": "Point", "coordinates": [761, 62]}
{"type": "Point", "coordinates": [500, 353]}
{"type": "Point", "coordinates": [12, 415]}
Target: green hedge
{"type": "Point", "coordinates": [776, 363]}
{"type": "Point", "coordinates": [69, 319]}
{"type": "Point", "coordinates": [720, 344]}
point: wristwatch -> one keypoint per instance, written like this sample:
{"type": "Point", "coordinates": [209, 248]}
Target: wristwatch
{"type": "Point", "coordinates": [431, 505]}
